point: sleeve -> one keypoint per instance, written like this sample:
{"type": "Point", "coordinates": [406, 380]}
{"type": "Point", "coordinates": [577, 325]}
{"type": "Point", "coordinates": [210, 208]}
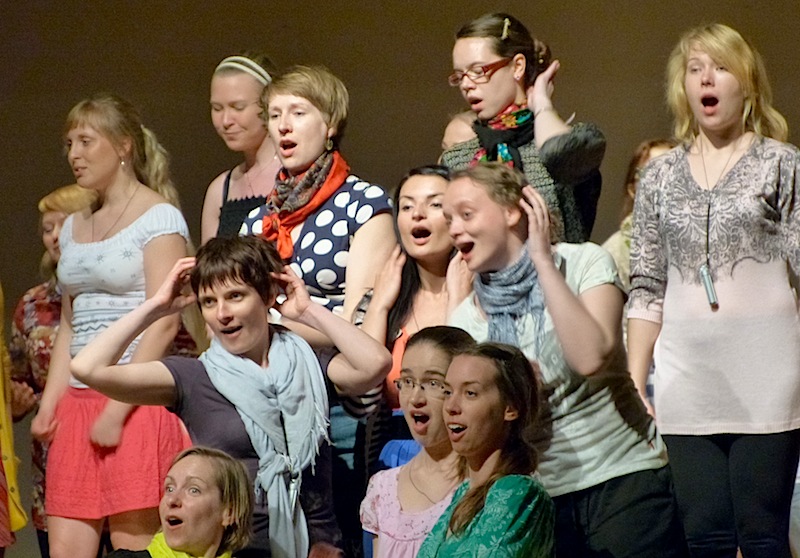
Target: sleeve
{"type": "Point", "coordinates": [518, 519]}
{"type": "Point", "coordinates": [370, 521]}
{"type": "Point", "coordinates": [366, 201]}
{"type": "Point", "coordinates": [648, 256]}
{"type": "Point", "coordinates": [317, 500]}
{"type": "Point", "coordinates": [573, 156]}
{"type": "Point", "coordinates": [788, 176]}
{"type": "Point", "coordinates": [21, 369]}
{"type": "Point", "coordinates": [182, 369]}
{"type": "Point", "coordinates": [163, 219]}
{"type": "Point", "coordinates": [598, 268]}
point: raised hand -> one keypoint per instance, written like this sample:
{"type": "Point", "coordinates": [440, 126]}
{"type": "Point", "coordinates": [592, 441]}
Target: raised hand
{"type": "Point", "coordinates": [458, 281]}
{"type": "Point", "coordinates": [534, 206]}
{"type": "Point", "coordinates": [541, 92]}
{"type": "Point", "coordinates": [174, 293]}
{"type": "Point", "coordinates": [388, 281]}
{"type": "Point", "coordinates": [297, 297]}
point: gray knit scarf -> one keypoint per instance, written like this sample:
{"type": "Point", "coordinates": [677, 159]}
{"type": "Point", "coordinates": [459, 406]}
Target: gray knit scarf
{"type": "Point", "coordinates": [509, 294]}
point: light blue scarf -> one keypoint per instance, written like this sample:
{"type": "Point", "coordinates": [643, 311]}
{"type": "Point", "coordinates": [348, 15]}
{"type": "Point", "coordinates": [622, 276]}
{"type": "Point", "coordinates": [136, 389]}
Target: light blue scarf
{"type": "Point", "coordinates": [284, 409]}
{"type": "Point", "coordinates": [509, 294]}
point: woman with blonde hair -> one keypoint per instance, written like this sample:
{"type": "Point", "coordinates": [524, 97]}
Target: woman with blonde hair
{"type": "Point", "coordinates": [106, 460]}
{"type": "Point", "coordinates": [237, 84]}
{"type": "Point", "coordinates": [714, 254]}
{"type": "Point", "coordinates": [33, 330]}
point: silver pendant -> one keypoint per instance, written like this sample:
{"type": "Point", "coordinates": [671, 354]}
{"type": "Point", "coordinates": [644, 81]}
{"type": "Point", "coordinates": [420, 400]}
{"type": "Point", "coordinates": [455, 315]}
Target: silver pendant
{"type": "Point", "coordinates": [708, 284]}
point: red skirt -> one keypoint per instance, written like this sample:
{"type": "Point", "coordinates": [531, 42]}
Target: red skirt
{"type": "Point", "coordinates": [85, 481]}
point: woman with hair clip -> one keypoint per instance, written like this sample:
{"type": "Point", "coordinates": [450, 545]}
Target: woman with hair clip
{"type": "Point", "coordinates": [205, 510]}
{"type": "Point", "coordinates": [491, 411]}
{"type": "Point", "coordinates": [334, 229]}
{"type": "Point", "coordinates": [106, 459]}
{"type": "Point", "coordinates": [715, 255]}
{"type": "Point", "coordinates": [33, 330]}
{"type": "Point", "coordinates": [506, 76]}
{"type": "Point", "coordinates": [399, 511]}
{"type": "Point", "coordinates": [602, 461]}
{"type": "Point", "coordinates": [236, 87]}
{"type": "Point", "coordinates": [258, 393]}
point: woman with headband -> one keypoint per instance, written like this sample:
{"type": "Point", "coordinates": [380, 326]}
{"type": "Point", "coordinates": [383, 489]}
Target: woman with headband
{"type": "Point", "coordinates": [506, 76]}
{"type": "Point", "coordinates": [236, 88]}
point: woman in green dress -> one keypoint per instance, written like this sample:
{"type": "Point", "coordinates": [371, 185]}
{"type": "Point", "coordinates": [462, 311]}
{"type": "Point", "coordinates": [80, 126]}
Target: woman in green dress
{"type": "Point", "coordinates": [491, 414]}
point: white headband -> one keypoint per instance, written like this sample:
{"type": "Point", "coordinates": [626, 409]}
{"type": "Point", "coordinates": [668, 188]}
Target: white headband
{"type": "Point", "coordinates": [244, 64]}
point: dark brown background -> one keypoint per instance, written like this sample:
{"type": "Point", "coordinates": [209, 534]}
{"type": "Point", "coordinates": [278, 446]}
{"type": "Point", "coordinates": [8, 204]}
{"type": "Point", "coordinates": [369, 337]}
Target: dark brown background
{"type": "Point", "coordinates": [393, 56]}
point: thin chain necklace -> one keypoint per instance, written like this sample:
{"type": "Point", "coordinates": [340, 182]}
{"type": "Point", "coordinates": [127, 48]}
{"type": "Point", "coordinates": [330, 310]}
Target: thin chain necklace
{"type": "Point", "coordinates": [114, 224]}
{"type": "Point", "coordinates": [722, 173]}
{"type": "Point", "coordinates": [256, 175]}
{"type": "Point", "coordinates": [428, 498]}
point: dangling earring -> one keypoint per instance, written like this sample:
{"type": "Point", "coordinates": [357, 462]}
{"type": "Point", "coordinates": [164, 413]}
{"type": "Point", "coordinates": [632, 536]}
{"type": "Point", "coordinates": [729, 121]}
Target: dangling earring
{"type": "Point", "coordinates": [329, 145]}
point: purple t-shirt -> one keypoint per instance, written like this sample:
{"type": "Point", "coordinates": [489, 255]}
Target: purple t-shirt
{"type": "Point", "coordinates": [213, 421]}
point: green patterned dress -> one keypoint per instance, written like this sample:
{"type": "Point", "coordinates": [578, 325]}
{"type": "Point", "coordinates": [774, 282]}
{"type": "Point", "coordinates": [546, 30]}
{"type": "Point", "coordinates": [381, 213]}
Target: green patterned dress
{"type": "Point", "coordinates": [516, 521]}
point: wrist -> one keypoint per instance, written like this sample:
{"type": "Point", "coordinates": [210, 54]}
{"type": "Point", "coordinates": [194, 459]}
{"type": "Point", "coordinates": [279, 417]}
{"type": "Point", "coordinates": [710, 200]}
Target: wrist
{"type": "Point", "coordinates": [543, 108]}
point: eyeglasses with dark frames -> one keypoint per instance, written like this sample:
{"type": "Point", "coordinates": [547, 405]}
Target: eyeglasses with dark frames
{"type": "Point", "coordinates": [431, 386]}
{"type": "Point", "coordinates": [477, 74]}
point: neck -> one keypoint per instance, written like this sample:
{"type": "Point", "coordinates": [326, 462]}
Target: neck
{"type": "Point", "coordinates": [263, 156]}
{"type": "Point", "coordinates": [438, 454]}
{"type": "Point", "coordinates": [432, 276]}
{"type": "Point", "coordinates": [118, 192]}
{"type": "Point", "coordinates": [708, 140]}
{"type": "Point", "coordinates": [481, 467]}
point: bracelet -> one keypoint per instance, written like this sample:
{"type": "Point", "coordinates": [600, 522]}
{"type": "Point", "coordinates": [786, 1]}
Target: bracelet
{"type": "Point", "coordinates": [541, 110]}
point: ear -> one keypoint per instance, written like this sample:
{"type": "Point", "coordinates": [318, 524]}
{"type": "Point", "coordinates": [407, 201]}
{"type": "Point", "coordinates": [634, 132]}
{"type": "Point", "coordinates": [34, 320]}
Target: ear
{"type": "Point", "coordinates": [513, 216]}
{"type": "Point", "coordinates": [519, 63]}
{"type": "Point", "coordinates": [124, 150]}
{"type": "Point", "coordinates": [510, 414]}
{"type": "Point", "coordinates": [331, 132]}
{"type": "Point", "coordinates": [227, 517]}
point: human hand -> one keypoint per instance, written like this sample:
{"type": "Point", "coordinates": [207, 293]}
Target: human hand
{"type": "Point", "coordinates": [324, 550]}
{"type": "Point", "coordinates": [388, 281]}
{"type": "Point", "coordinates": [541, 92]}
{"type": "Point", "coordinates": [44, 425]}
{"type": "Point", "coordinates": [297, 298]}
{"type": "Point", "coordinates": [23, 399]}
{"type": "Point", "coordinates": [458, 281]}
{"type": "Point", "coordinates": [174, 294]}
{"type": "Point", "coordinates": [538, 243]}
{"type": "Point", "coordinates": [106, 431]}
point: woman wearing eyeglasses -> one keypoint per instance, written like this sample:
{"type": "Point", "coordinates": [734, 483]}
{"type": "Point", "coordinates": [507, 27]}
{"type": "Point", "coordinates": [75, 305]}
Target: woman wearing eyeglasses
{"type": "Point", "coordinates": [403, 504]}
{"type": "Point", "coordinates": [506, 77]}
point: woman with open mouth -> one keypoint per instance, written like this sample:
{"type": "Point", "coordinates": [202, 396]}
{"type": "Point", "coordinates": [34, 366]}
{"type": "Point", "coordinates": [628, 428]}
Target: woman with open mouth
{"type": "Point", "coordinates": [205, 510]}
{"type": "Point", "coordinates": [334, 229]}
{"type": "Point", "coordinates": [259, 392]}
{"type": "Point", "coordinates": [506, 76]}
{"type": "Point", "coordinates": [491, 410]}
{"type": "Point", "coordinates": [714, 261]}
{"type": "Point", "coordinates": [236, 88]}
{"type": "Point", "coordinates": [562, 305]}
{"type": "Point", "coordinates": [403, 503]}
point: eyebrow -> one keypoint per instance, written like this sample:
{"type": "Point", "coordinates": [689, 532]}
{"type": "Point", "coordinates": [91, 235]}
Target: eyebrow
{"type": "Point", "coordinates": [408, 372]}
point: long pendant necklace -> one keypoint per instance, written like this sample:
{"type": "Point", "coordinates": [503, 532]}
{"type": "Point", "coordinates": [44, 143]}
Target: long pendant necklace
{"type": "Point", "coordinates": [411, 478]}
{"type": "Point", "coordinates": [114, 224]}
{"type": "Point", "coordinates": [705, 269]}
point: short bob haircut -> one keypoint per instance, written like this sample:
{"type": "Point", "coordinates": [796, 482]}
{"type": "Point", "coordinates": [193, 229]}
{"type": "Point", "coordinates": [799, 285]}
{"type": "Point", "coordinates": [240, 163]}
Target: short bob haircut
{"type": "Point", "coordinates": [66, 199]}
{"type": "Point", "coordinates": [235, 489]}
{"type": "Point", "coordinates": [509, 37]}
{"type": "Point", "coordinates": [729, 49]}
{"type": "Point", "coordinates": [249, 259]}
{"type": "Point", "coordinates": [320, 87]}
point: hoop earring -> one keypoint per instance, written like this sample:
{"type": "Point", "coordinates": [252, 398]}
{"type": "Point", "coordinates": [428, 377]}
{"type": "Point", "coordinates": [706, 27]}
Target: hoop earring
{"type": "Point", "coordinates": [329, 145]}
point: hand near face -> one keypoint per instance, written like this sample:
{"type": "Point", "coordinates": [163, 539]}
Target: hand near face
{"type": "Point", "coordinates": [297, 297]}
{"type": "Point", "coordinates": [538, 215]}
{"type": "Point", "coordinates": [172, 296]}
{"type": "Point", "coordinates": [388, 280]}
{"type": "Point", "coordinates": [541, 92]}
{"type": "Point", "coordinates": [458, 281]}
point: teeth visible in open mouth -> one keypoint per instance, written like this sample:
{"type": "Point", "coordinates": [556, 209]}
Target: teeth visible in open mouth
{"type": "Point", "coordinates": [456, 428]}
{"type": "Point", "coordinates": [420, 418]}
{"type": "Point", "coordinates": [174, 521]}
{"type": "Point", "coordinates": [231, 329]}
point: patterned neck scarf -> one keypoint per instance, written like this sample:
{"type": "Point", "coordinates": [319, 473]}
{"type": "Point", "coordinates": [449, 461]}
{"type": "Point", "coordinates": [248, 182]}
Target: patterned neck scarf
{"type": "Point", "coordinates": [296, 197]}
{"type": "Point", "coordinates": [509, 294]}
{"type": "Point", "coordinates": [502, 136]}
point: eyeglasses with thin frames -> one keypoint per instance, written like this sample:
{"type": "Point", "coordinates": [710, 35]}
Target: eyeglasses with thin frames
{"type": "Point", "coordinates": [477, 74]}
{"type": "Point", "coordinates": [431, 386]}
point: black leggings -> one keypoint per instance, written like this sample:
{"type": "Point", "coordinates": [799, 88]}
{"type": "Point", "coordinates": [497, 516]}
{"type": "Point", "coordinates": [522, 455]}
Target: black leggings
{"type": "Point", "coordinates": [734, 491]}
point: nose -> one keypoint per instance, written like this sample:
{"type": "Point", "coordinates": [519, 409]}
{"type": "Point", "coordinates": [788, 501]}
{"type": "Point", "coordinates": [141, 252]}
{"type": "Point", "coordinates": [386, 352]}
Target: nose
{"type": "Point", "coordinates": [172, 499]}
{"type": "Point", "coordinates": [72, 152]}
{"type": "Point", "coordinates": [417, 397]}
{"type": "Point", "coordinates": [455, 227]}
{"type": "Point", "coordinates": [707, 76]}
{"type": "Point", "coordinates": [452, 405]}
{"type": "Point", "coordinates": [55, 233]}
{"type": "Point", "coordinates": [223, 312]}
{"type": "Point", "coordinates": [284, 125]}
{"type": "Point", "coordinates": [227, 117]}
{"type": "Point", "coordinates": [418, 212]}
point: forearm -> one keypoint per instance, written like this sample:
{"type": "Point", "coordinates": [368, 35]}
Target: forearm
{"type": "Point", "coordinates": [586, 343]}
{"type": "Point", "coordinates": [59, 372]}
{"type": "Point", "coordinates": [107, 348]}
{"type": "Point", "coordinates": [642, 336]}
{"type": "Point", "coordinates": [366, 360]}
{"type": "Point", "coordinates": [547, 123]}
